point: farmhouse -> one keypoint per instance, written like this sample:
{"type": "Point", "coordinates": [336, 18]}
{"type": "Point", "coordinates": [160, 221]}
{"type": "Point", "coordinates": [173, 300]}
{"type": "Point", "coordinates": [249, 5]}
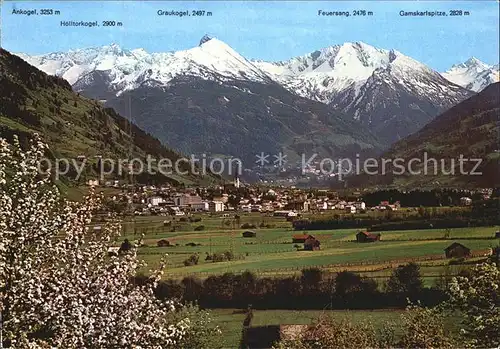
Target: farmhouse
{"type": "Point", "coordinates": [163, 243]}
{"type": "Point", "coordinates": [364, 236]}
{"type": "Point", "coordinates": [456, 250]}
{"type": "Point", "coordinates": [301, 238]}
{"type": "Point", "coordinates": [311, 244]}
{"type": "Point", "coordinates": [249, 234]}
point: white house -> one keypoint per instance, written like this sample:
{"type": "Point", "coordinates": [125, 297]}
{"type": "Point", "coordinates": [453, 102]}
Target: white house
{"type": "Point", "coordinates": [201, 206]}
{"type": "Point", "coordinates": [322, 205]}
{"type": "Point", "coordinates": [216, 206]}
{"type": "Point", "coordinates": [340, 205]}
{"type": "Point", "coordinates": [155, 200]}
{"type": "Point", "coordinates": [350, 209]}
{"type": "Point", "coordinates": [360, 205]}
{"type": "Point", "coordinates": [465, 201]}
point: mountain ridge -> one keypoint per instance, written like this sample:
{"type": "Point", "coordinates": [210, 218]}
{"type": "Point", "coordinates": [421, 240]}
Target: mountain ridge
{"type": "Point", "coordinates": [72, 125]}
{"type": "Point", "coordinates": [391, 94]}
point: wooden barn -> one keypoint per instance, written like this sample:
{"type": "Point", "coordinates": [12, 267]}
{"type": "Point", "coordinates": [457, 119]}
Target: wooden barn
{"type": "Point", "coordinates": [301, 238]}
{"type": "Point", "coordinates": [311, 244]}
{"type": "Point", "coordinates": [364, 236]}
{"type": "Point", "coordinates": [163, 243]}
{"type": "Point", "coordinates": [456, 250]}
{"type": "Point", "coordinates": [249, 234]}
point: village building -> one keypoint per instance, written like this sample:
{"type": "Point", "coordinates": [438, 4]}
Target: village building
{"type": "Point", "coordinates": [216, 206]}
{"type": "Point", "coordinates": [255, 208]}
{"type": "Point", "coordinates": [187, 200]}
{"type": "Point", "coordinates": [465, 201]}
{"type": "Point", "coordinates": [155, 200]}
{"type": "Point", "coordinates": [457, 250]}
{"type": "Point", "coordinates": [340, 205]}
{"type": "Point", "coordinates": [201, 206]}
{"type": "Point", "coordinates": [322, 205]}
{"type": "Point", "coordinates": [364, 236]}
{"type": "Point", "coordinates": [299, 205]}
{"type": "Point", "coordinates": [360, 205]}
{"type": "Point", "coordinates": [224, 198]}
{"type": "Point", "coordinates": [350, 209]}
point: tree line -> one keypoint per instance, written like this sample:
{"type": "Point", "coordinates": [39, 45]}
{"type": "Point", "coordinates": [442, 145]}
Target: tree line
{"type": "Point", "coordinates": [312, 289]}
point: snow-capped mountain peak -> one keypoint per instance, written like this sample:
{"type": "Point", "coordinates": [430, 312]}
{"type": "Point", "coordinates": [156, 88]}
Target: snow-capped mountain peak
{"type": "Point", "coordinates": [324, 73]}
{"type": "Point", "coordinates": [473, 62]}
{"type": "Point", "coordinates": [473, 74]}
{"type": "Point", "coordinates": [128, 69]}
{"type": "Point", "coordinates": [205, 38]}
{"type": "Point", "coordinates": [389, 92]}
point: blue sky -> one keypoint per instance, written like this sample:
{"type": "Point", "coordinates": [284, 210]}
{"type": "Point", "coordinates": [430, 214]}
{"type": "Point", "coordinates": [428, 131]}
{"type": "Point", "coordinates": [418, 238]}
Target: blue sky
{"type": "Point", "coordinates": [262, 29]}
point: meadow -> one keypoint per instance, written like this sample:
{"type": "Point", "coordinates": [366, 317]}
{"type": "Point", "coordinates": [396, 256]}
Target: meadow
{"type": "Point", "coordinates": [272, 252]}
{"type": "Point", "coordinates": [230, 320]}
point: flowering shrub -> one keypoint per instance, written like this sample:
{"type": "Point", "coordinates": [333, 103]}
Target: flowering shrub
{"type": "Point", "coordinates": [477, 296]}
{"type": "Point", "coordinates": [59, 287]}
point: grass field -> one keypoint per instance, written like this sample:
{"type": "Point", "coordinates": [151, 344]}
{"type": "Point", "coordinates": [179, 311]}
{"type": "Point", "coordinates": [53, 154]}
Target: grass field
{"type": "Point", "coordinates": [272, 252]}
{"type": "Point", "coordinates": [230, 320]}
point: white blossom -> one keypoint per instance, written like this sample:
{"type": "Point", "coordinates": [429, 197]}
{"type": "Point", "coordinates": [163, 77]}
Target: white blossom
{"type": "Point", "coordinates": [59, 288]}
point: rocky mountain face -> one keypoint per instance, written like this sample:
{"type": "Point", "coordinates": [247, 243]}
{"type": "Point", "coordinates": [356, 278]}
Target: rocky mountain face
{"type": "Point", "coordinates": [243, 119]}
{"type": "Point", "coordinates": [388, 93]}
